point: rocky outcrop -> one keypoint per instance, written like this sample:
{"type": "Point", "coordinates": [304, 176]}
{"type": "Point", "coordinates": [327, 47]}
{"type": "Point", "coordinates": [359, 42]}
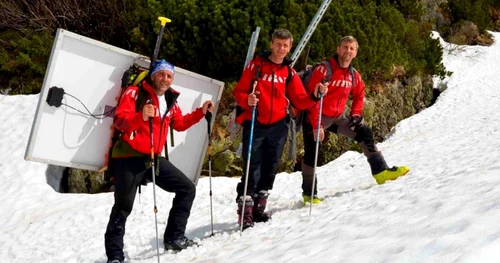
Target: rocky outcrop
{"type": "Point", "coordinates": [84, 181]}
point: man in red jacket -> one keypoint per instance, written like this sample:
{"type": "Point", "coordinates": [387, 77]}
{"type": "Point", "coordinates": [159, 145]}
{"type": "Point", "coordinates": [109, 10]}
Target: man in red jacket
{"type": "Point", "coordinates": [333, 120]}
{"type": "Point", "coordinates": [132, 152]}
{"type": "Point", "coordinates": [275, 82]}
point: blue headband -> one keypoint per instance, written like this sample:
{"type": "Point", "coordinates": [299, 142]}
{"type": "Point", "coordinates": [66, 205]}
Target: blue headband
{"type": "Point", "coordinates": [162, 65]}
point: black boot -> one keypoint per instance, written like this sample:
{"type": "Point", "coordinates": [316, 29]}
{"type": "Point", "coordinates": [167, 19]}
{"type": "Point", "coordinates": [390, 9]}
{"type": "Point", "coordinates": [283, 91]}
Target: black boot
{"type": "Point", "coordinates": [179, 244]}
{"type": "Point", "coordinates": [260, 201]}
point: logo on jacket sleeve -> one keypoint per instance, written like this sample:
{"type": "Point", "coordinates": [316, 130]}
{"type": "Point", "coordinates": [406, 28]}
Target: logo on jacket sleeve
{"type": "Point", "coordinates": [131, 93]}
{"type": "Point", "coordinates": [321, 69]}
{"type": "Point", "coordinates": [271, 78]}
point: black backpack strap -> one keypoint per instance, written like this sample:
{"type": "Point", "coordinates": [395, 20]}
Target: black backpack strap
{"type": "Point", "coordinates": [171, 130]}
{"type": "Point", "coordinates": [353, 76]}
{"type": "Point", "coordinates": [257, 75]}
{"type": "Point", "coordinates": [328, 66]}
{"type": "Point", "coordinates": [292, 122]}
{"type": "Point", "coordinates": [141, 98]}
{"type": "Point", "coordinates": [289, 77]}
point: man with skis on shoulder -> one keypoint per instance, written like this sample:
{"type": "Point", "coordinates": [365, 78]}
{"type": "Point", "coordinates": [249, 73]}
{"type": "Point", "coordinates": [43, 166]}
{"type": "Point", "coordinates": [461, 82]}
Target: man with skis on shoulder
{"type": "Point", "coordinates": [344, 81]}
{"type": "Point", "coordinates": [131, 157]}
{"type": "Point", "coordinates": [267, 83]}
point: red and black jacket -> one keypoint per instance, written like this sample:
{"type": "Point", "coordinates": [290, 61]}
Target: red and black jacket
{"type": "Point", "coordinates": [274, 86]}
{"type": "Point", "coordinates": [341, 85]}
{"type": "Point", "coordinates": [135, 131]}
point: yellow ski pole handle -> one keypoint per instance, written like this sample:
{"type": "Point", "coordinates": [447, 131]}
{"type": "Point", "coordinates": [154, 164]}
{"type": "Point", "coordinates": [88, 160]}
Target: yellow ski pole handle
{"type": "Point", "coordinates": [164, 20]}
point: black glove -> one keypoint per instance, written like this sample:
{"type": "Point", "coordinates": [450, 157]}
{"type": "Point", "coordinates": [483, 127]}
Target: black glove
{"type": "Point", "coordinates": [356, 122]}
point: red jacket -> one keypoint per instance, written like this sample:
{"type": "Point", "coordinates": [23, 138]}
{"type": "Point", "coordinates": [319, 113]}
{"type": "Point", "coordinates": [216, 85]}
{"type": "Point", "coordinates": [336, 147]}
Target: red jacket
{"type": "Point", "coordinates": [338, 91]}
{"type": "Point", "coordinates": [273, 102]}
{"type": "Point", "coordinates": [135, 131]}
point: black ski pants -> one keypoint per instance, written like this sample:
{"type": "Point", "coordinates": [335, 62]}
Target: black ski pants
{"type": "Point", "coordinates": [267, 148]}
{"type": "Point", "coordinates": [129, 173]}
{"type": "Point", "coordinates": [340, 125]}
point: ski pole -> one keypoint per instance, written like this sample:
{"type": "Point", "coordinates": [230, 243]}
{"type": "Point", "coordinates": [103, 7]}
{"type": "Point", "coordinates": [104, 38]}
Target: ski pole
{"type": "Point", "coordinates": [153, 175]}
{"type": "Point", "coordinates": [316, 151]}
{"type": "Point", "coordinates": [249, 155]}
{"type": "Point", "coordinates": [208, 117]}
{"type": "Point", "coordinates": [163, 21]}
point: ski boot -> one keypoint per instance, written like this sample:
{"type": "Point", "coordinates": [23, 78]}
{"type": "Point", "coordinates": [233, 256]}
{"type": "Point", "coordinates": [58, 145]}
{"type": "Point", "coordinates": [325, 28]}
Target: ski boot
{"type": "Point", "coordinates": [247, 219]}
{"type": "Point", "coordinates": [391, 174]}
{"type": "Point", "coordinates": [307, 199]}
{"type": "Point", "coordinates": [260, 201]}
{"type": "Point", "coordinates": [179, 244]}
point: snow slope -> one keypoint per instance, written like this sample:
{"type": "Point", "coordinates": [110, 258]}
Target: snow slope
{"type": "Point", "coordinates": [445, 210]}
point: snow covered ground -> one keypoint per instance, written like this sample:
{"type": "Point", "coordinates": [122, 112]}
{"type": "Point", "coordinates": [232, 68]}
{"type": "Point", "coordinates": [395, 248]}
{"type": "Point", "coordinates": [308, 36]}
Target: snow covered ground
{"type": "Point", "coordinates": [446, 209]}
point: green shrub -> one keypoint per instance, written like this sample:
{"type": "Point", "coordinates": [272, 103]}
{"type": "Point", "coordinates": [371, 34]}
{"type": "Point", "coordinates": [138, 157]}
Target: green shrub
{"type": "Point", "coordinates": [23, 58]}
{"type": "Point", "coordinates": [211, 37]}
{"type": "Point", "coordinates": [476, 11]}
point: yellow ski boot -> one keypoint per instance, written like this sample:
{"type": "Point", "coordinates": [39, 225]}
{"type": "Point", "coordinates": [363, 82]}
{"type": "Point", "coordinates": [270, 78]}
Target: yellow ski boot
{"type": "Point", "coordinates": [391, 174]}
{"type": "Point", "coordinates": [307, 199]}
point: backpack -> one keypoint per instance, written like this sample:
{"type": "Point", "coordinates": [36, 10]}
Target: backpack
{"type": "Point", "coordinates": [305, 75]}
{"type": "Point", "coordinates": [133, 76]}
{"type": "Point", "coordinates": [298, 117]}
{"type": "Point", "coordinates": [130, 76]}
